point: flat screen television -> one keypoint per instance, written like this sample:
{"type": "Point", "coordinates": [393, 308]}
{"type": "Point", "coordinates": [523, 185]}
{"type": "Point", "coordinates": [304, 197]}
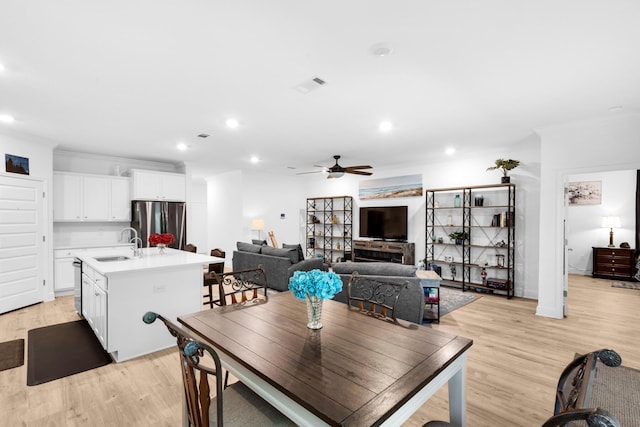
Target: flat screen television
{"type": "Point", "coordinates": [384, 222]}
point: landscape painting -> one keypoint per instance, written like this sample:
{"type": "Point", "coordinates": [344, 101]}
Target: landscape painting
{"type": "Point", "coordinates": [385, 188]}
{"type": "Point", "coordinates": [16, 164]}
{"type": "Point", "coordinates": [585, 193]}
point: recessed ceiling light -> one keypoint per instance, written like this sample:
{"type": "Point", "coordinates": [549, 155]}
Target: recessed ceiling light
{"type": "Point", "coordinates": [385, 126]}
{"type": "Point", "coordinates": [381, 49]}
{"type": "Point", "coordinates": [182, 146]}
{"type": "Point", "coordinates": [255, 159]}
{"type": "Point", "coordinates": [4, 118]}
{"type": "Point", "coordinates": [450, 151]}
{"type": "Point", "coordinates": [232, 123]}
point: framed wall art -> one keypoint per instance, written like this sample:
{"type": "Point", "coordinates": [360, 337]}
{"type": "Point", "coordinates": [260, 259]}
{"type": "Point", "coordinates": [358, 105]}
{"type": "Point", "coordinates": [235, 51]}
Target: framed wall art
{"type": "Point", "coordinates": [585, 193]}
{"type": "Point", "coordinates": [384, 188]}
{"type": "Point", "coordinates": [16, 164]}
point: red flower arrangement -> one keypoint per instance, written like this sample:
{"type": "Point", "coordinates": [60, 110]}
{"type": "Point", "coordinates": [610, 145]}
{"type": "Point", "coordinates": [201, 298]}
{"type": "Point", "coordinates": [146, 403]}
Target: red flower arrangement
{"type": "Point", "coordinates": [161, 239]}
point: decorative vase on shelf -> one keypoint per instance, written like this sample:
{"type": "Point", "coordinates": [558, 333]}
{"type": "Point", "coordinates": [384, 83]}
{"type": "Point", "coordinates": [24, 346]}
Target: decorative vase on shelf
{"type": "Point", "coordinates": [457, 202]}
{"type": "Point", "coordinates": [314, 312]}
{"type": "Point", "coordinates": [161, 248]}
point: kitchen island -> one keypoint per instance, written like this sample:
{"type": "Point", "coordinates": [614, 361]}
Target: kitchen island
{"type": "Point", "coordinates": [118, 289]}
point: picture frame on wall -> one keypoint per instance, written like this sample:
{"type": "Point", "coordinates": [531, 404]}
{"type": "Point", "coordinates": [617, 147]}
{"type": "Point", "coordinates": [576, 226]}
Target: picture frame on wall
{"type": "Point", "coordinates": [585, 193]}
{"type": "Point", "coordinates": [16, 164]}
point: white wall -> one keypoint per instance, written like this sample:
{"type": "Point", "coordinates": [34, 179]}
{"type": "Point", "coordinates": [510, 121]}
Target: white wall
{"type": "Point", "coordinates": [607, 144]}
{"type": "Point", "coordinates": [39, 152]}
{"type": "Point", "coordinates": [583, 221]}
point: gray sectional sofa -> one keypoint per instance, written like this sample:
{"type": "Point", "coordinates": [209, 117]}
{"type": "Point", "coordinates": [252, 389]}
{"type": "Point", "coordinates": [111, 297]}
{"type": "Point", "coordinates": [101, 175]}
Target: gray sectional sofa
{"type": "Point", "coordinates": [409, 306]}
{"type": "Point", "coordinates": [279, 264]}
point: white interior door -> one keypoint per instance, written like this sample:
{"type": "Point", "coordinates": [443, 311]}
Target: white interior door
{"type": "Point", "coordinates": [22, 266]}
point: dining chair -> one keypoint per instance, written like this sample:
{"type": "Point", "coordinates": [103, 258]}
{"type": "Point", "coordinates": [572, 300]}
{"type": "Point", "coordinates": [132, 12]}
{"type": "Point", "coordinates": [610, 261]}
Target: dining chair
{"type": "Point", "coordinates": [235, 405]}
{"type": "Point", "coordinates": [240, 286]}
{"type": "Point", "coordinates": [374, 297]}
{"type": "Point", "coordinates": [190, 248]}
{"type": "Point", "coordinates": [208, 280]}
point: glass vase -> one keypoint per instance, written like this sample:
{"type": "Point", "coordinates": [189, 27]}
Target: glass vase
{"type": "Point", "coordinates": [161, 248]}
{"type": "Point", "coordinates": [314, 312]}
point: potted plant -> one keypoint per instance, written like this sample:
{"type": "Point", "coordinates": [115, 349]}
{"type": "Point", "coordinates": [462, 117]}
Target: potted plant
{"type": "Point", "coordinates": [459, 236]}
{"type": "Point", "coordinates": [506, 165]}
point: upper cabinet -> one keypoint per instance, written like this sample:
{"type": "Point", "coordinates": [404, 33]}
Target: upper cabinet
{"type": "Point", "coordinates": [98, 198]}
{"type": "Point", "coordinates": [152, 185]}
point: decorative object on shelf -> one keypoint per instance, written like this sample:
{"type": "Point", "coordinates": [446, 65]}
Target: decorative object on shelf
{"type": "Point", "coordinates": [506, 165]}
{"type": "Point", "coordinates": [452, 268]}
{"type": "Point", "coordinates": [314, 286]}
{"type": "Point", "coordinates": [483, 275]}
{"type": "Point", "coordinates": [611, 222]}
{"type": "Point", "coordinates": [436, 204]}
{"type": "Point", "coordinates": [449, 220]}
{"type": "Point", "coordinates": [478, 200]}
{"type": "Point", "coordinates": [440, 240]}
{"type": "Point", "coordinates": [459, 236]}
{"type": "Point", "coordinates": [334, 219]}
{"type": "Point", "coordinates": [500, 260]}
{"type": "Point", "coordinates": [457, 201]}
{"type": "Point", "coordinates": [161, 240]}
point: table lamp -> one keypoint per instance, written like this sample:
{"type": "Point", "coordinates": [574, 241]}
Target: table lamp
{"type": "Point", "coordinates": [611, 222]}
{"type": "Point", "coordinates": [257, 224]}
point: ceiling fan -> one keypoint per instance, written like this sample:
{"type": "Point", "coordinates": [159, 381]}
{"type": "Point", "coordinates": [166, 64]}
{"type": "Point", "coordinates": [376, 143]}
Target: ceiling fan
{"type": "Point", "coordinates": [336, 171]}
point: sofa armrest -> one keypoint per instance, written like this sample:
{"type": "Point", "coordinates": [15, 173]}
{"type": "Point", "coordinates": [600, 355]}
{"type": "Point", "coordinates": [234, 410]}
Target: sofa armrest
{"type": "Point", "coordinates": [308, 265]}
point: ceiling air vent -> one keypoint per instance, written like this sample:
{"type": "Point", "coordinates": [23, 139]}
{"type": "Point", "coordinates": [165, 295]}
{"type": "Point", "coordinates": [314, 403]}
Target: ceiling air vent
{"type": "Point", "coordinates": [308, 86]}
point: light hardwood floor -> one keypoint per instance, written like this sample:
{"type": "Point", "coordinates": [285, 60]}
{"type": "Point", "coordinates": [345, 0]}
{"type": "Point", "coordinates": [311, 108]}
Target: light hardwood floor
{"type": "Point", "coordinates": [512, 370]}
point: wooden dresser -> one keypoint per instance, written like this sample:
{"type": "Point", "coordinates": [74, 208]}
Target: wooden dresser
{"type": "Point", "coordinates": [614, 263]}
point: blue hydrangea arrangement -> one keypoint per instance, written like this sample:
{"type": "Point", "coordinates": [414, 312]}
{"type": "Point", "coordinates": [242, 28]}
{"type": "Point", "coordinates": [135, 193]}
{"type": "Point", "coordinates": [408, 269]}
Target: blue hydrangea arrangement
{"type": "Point", "coordinates": [316, 283]}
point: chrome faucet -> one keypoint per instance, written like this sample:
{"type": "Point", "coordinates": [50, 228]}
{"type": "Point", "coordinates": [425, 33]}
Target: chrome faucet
{"type": "Point", "coordinates": [136, 252]}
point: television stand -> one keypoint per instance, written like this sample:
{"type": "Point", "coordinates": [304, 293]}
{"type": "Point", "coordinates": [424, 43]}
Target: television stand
{"type": "Point", "coordinates": [384, 251]}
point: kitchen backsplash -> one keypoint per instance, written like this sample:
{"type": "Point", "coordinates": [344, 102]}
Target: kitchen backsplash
{"type": "Point", "coordinates": [87, 234]}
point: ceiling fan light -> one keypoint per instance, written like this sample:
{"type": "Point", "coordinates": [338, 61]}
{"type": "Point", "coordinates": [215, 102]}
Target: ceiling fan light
{"type": "Point", "coordinates": [335, 174]}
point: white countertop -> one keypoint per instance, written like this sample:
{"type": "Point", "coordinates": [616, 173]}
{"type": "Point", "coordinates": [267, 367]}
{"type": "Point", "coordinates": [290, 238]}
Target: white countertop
{"type": "Point", "coordinates": [151, 259]}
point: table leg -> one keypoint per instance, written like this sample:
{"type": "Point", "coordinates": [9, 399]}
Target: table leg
{"type": "Point", "coordinates": [457, 409]}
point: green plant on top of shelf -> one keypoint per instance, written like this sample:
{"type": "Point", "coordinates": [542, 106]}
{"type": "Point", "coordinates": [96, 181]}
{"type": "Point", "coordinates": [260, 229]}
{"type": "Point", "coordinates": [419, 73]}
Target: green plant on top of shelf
{"type": "Point", "coordinates": [505, 164]}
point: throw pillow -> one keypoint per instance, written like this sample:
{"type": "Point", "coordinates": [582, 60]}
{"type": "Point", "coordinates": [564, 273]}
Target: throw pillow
{"type": "Point", "coordinates": [259, 242]}
{"type": "Point", "coordinates": [292, 254]}
{"type": "Point", "coordinates": [296, 247]}
{"type": "Point", "coordinates": [248, 247]}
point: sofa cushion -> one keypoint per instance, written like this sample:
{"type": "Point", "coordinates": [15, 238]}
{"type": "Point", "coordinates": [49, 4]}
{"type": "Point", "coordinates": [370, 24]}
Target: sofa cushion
{"type": "Point", "coordinates": [296, 247]}
{"type": "Point", "coordinates": [375, 268]}
{"type": "Point", "coordinates": [248, 247]}
{"type": "Point", "coordinates": [290, 253]}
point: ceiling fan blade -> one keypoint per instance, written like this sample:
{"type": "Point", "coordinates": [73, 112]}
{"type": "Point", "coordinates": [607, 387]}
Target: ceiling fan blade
{"type": "Point", "coordinates": [359, 167]}
{"type": "Point", "coordinates": [358, 172]}
{"type": "Point", "coordinates": [304, 173]}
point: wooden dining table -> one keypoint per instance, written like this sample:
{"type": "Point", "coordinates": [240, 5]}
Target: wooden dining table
{"type": "Point", "coordinates": [355, 371]}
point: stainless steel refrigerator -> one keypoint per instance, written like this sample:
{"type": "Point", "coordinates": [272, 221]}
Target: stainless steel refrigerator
{"type": "Point", "coordinates": [149, 217]}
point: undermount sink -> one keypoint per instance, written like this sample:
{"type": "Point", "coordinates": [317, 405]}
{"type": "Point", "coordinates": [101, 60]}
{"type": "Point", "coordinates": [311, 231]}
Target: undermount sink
{"type": "Point", "coordinates": [112, 258]}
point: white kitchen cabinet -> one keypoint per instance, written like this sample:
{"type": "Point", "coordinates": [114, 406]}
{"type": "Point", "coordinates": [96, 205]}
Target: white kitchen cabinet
{"type": "Point", "coordinates": [94, 303]}
{"type": "Point", "coordinates": [120, 200]}
{"type": "Point", "coordinates": [96, 198]}
{"type": "Point", "coordinates": [64, 271]}
{"type": "Point", "coordinates": [152, 185]}
{"type": "Point", "coordinates": [67, 197]}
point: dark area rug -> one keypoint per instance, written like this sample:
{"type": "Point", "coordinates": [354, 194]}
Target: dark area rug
{"type": "Point", "coordinates": [626, 285]}
{"type": "Point", "coordinates": [11, 354]}
{"type": "Point", "coordinates": [61, 350]}
{"type": "Point", "coordinates": [452, 299]}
